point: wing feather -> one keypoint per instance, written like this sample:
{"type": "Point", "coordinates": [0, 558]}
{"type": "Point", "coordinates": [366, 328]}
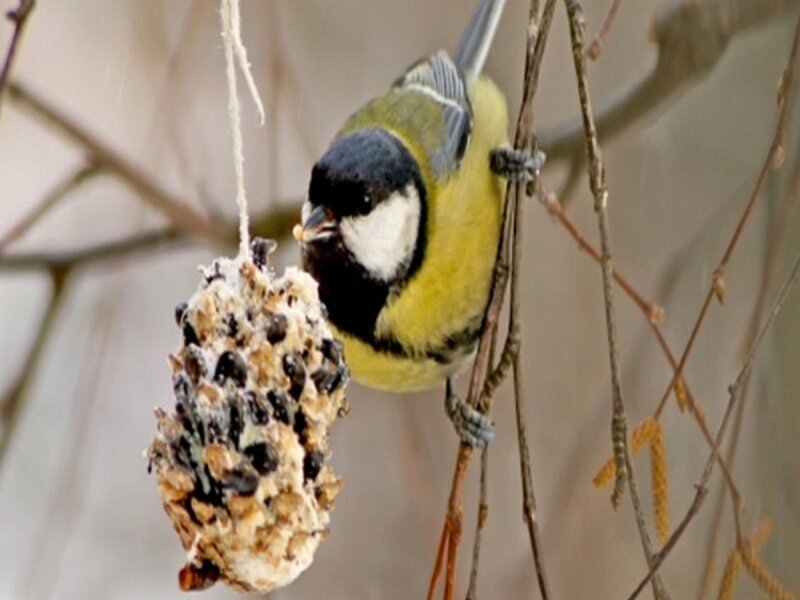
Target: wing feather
{"type": "Point", "coordinates": [439, 78]}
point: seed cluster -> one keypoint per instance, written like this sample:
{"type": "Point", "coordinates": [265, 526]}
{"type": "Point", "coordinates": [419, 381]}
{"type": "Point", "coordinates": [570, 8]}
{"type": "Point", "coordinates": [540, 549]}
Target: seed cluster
{"type": "Point", "coordinates": [242, 463]}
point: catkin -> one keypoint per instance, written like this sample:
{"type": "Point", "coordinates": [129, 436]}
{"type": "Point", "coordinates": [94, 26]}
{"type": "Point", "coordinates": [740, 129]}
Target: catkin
{"type": "Point", "coordinates": [733, 566]}
{"type": "Point", "coordinates": [730, 575]}
{"type": "Point", "coordinates": [761, 575]}
{"type": "Point", "coordinates": [660, 482]}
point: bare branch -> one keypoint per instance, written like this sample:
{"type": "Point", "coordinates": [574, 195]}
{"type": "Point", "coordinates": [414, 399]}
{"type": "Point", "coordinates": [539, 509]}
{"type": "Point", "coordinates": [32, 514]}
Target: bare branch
{"type": "Point", "coordinates": [20, 18]}
{"type": "Point", "coordinates": [785, 96]}
{"type": "Point", "coordinates": [181, 214]}
{"type": "Point", "coordinates": [275, 224]}
{"type": "Point", "coordinates": [735, 392]}
{"type": "Point", "coordinates": [772, 161]}
{"type": "Point", "coordinates": [619, 425]}
{"type": "Point", "coordinates": [79, 258]}
{"type": "Point", "coordinates": [53, 197]}
{"type": "Point", "coordinates": [691, 38]}
{"type": "Point", "coordinates": [13, 400]}
{"type": "Point", "coordinates": [537, 31]}
{"type": "Point", "coordinates": [483, 513]}
{"type": "Point", "coordinates": [595, 47]}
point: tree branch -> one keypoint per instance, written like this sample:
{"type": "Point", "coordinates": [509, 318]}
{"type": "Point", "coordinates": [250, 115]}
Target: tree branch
{"type": "Point", "coordinates": [734, 392]}
{"type": "Point", "coordinates": [538, 28]}
{"type": "Point", "coordinates": [691, 39]}
{"type": "Point", "coordinates": [19, 17]}
{"type": "Point", "coordinates": [53, 197]}
{"type": "Point", "coordinates": [596, 170]}
{"type": "Point", "coordinates": [181, 214]}
{"type": "Point", "coordinates": [13, 400]}
{"type": "Point", "coordinates": [786, 92]}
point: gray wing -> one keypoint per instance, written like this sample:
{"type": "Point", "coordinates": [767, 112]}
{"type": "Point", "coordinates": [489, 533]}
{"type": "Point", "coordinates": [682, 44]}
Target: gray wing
{"type": "Point", "coordinates": [438, 77]}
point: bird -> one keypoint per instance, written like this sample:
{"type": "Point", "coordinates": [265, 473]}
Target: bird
{"type": "Point", "coordinates": [401, 223]}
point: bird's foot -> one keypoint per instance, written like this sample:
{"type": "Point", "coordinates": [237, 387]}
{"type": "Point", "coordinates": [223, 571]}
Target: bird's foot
{"type": "Point", "coordinates": [516, 165]}
{"type": "Point", "coordinates": [473, 427]}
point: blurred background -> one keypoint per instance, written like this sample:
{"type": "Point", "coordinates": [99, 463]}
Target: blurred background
{"type": "Point", "coordinates": [79, 516]}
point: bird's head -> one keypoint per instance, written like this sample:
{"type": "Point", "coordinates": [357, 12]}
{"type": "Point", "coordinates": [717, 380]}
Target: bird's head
{"type": "Point", "coordinates": [366, 206]}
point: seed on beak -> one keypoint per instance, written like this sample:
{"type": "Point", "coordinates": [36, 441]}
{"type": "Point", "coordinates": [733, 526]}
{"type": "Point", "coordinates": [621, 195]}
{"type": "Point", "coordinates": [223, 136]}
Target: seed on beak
{"type": "Point", "coordinates": [318, 225]}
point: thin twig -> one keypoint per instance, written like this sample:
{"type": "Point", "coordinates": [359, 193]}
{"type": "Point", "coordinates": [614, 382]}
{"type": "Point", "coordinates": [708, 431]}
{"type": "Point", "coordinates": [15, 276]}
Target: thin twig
{"type": "Point", "coordinates": [150, 242]}
{"type": "Point", "coordinates": [734, 393]}
{"type": "Point", "coordinates": [68, 497]}
{"type": "Point", "coordinates": [652, 312]}
{"type": "Point", "coordinates": [550, 201]}
{"type": "Point", "coordinates": [786, 94]}
{"type": "Point", "coordinates": [19, 17]}
{"type": "Point", "coordinates": [596, 170]}
{"type": "Point", "coordinates": [595, 47]}
{"type": "Point", "coordinates": [13, 401]}
{"type": "Point", "coordinates": [539, 26]}
{"type": "Point", "coordinates": [180, 213]}
{"type": "Point", "coordinates": [483, 513]}
{"type": "Point", "coordinates": [779, 218]}
{"type": "Point", "coordinates": [275, 224]}
{"type": "Point", "coordinates": [691, 38]}
{"type": "Point", "coordinates": [65, 187]}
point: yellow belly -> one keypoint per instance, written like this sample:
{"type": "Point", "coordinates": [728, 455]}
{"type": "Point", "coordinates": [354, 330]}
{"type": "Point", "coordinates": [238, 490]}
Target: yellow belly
{"type": "Point", "coordinates": [394, 373]}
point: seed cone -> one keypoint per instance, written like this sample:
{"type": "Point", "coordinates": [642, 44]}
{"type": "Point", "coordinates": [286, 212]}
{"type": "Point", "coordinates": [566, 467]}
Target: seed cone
{"type": "Point", "coordinates": [241, 464]}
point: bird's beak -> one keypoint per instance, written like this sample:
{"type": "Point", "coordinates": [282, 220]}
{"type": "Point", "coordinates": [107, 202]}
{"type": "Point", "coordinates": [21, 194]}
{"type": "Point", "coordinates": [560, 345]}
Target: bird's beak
{"type": "Point", "coordinates": [317, 226]}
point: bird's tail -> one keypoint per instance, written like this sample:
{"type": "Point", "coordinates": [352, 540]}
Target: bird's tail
{"type": "Point", "coordinates": [477, 39]}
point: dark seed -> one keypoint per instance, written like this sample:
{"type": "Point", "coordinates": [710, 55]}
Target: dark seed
{"type": "Point", "coordinates": [212, 495]}
{"type": "Point", "coordinates": [230, 365]}
{"type": "Point", "coordinates": [233, 326]}
{"type": "Point", "coordinates": [260, 249]}
{"type": "Point", "coordinates": [332, 350]}
{"type": "Point", "coordinates": [296, 372]}
{"type": "Point", "coordinates": [180, 310]}
{"type": "Point", "coordinates": [244, 482]}
{"type": "Point", "coordinates": [324, 380]}
{"type": "Point", "coordinates": [180, 387]}
{"type": "Point", "coordinates": [189, 335]}
{"type": "Point", "coordinates": [256, 408]}
{"type": "Point", "coordinates": [263, 457]}
{"type": "Point", "coordinates": [182, 410]}
{"type": "Point", "coordinates": [214, 273]}
{"type": "Point", "coordinates": [312, 464]}
{"type": "Point", "coordinates": [280, 405]}
{"type": "Point", "coordinates": [234, 423]}
{"type": "Point", "coordinates": [276, 328]}
{"type": "Point", "coordinates": [301, 426]}
{"type": "Point", "coordinates": [181, 453]}
{"type": "Point", "coordinates": [342, 374]}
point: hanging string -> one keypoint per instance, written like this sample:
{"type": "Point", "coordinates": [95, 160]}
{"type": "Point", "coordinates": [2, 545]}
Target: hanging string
{"type": "Point", "coordinates": [235, 52]}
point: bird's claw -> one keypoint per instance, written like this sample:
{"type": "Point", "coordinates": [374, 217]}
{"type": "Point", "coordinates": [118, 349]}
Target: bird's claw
{"type": "Point", "coordinates": [516, 165]}
{"type": "Point", "coordinates": [473, 427]}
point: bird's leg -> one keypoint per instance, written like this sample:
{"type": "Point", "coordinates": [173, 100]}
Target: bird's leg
{"type": "Point", "coordinates": [516, 165]}
{"type": "Point", "coordinates": [474, 428]}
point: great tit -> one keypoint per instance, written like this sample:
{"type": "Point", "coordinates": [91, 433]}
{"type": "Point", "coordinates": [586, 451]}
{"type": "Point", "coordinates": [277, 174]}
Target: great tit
{"type": "Point", "coordinates": [402, 221]}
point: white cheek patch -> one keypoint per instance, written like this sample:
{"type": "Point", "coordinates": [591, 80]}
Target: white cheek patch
{"type": "Point", "coordinates": [383, 240]}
